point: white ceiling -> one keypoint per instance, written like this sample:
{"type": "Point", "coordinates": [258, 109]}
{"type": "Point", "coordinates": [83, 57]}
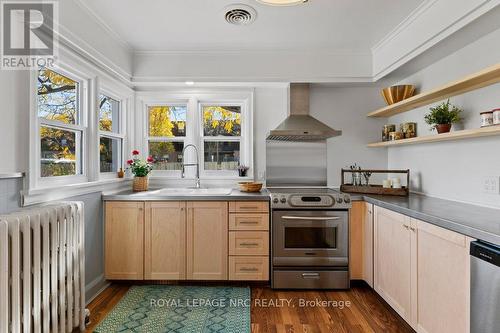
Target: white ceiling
{"type": "Point", "coordinates": [198, 25]}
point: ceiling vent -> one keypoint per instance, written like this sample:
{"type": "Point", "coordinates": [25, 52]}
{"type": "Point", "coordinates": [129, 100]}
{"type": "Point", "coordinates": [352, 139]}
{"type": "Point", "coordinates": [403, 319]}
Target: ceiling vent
{"type": "Point", "coordinates": [240, 14]}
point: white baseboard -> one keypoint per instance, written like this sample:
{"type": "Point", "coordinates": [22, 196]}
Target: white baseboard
{"type": "Point", "coordinates": [94, 288]}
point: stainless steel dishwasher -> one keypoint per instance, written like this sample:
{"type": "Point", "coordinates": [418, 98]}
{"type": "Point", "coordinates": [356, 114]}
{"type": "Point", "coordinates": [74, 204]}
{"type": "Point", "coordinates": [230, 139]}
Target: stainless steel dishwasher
{"type": "Point", "coordinates": [485, 287]}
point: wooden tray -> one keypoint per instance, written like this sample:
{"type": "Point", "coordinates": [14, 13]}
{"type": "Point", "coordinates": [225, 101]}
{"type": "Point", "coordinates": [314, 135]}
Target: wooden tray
{"type": "Point", "coordinates": [376, 189]}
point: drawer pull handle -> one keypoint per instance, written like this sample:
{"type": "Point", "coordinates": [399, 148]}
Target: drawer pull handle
{"type": "Point", "coordinates": [314, 218]}
{"type": "Point", "coordinates": [310, 275]}
{"type": "Point", "coordinates": [249, 207]}
{"type": "Point", "coordinates": [249, 244]}
{"type": "Point", "coordinates": [249, 269]}
{"type": "Point", "coordinates": [249, 222]}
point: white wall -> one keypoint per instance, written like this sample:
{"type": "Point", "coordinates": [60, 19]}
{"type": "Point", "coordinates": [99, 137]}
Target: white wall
{"type": "Point", "coordinates": [271, 108]}
{"type": "Point", "coordinates": [455, 170]}
{"type": "Point", "coordinates": [345, 109]}
{"type": "Point", "coordinates": [255, 66]}
{"type": "Point", "coordinates": [14, 121]}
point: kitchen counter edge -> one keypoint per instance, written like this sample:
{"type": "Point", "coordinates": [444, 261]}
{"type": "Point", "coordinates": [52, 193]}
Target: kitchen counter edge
{"type": "Point", "coordinates": [477, 222]}
{"type": "Point", "coordinates": [235, 195]}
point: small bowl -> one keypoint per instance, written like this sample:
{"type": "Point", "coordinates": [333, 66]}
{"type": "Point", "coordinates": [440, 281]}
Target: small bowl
{"type": "Point", "coordinates": [396, 94]}
{"type": "Point", "coordinates": [250, 186]}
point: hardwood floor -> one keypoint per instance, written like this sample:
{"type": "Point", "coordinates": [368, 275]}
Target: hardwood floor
{"type": "Point", "coordinates": [367, 312]}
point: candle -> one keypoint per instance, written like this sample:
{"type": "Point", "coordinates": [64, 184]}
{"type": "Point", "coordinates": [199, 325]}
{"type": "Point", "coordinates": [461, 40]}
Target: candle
{"type": "Point", "coordinates": [396, 183]}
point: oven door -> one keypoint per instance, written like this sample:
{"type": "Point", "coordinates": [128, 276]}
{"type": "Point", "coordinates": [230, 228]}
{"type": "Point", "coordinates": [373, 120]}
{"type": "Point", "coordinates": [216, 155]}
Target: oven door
{"type": "Point", "coordinates": [310, 238]}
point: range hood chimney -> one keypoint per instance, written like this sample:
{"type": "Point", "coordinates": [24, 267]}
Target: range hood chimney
{"type": "Point", "coordinates": [299, 126]}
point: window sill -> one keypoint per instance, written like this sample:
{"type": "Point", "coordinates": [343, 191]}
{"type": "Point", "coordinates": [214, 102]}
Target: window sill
{"type": "Point", "coordinates": [45, 194]}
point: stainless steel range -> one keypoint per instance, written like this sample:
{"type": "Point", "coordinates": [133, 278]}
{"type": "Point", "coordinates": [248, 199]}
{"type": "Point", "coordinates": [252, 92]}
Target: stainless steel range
{"type": "Point", "coordinates": [310, 238]}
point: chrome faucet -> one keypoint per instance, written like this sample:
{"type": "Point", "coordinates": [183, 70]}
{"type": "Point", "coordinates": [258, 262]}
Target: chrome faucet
{"type": "Point", "coordinates": [197, 164]}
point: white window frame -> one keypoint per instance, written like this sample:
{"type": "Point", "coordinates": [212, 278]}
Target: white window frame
{"type": "Point", "coordinates": [194, 124]}
{"type": "Point", "coordinates": [120, 135]}
{"type": "Point", "coordinates": [183, 139]}
{"type": "Point", "coordinates": [81, 130]}
{"type": "Point", "coordinates": [241, 139]}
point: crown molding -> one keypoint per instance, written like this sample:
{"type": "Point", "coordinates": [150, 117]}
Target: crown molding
{"type": "Point", "coordinates": [416, 13]}
{"type": "Point", "coordinates": [218, 81]}
{"type": "Point", "coordinates": [71, 41]}
{"type": "Point", "coordinates": [250, 51]}
{"type": "Point", "coordinates": [435, 38]}
{"type": "Point", "coordinates": [113, 34]}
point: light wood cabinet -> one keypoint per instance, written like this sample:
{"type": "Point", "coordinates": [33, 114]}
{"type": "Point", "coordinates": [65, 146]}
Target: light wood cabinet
{"type": "Point", "coordinates": [249, 221]}
{"type": "Point", "coordinates": [179, 240]}
{"type": "Point", "coordinates": [249, 243]}
{"type": "Point", "coordinates": [392, 260]}
{"type": "Point", "coordinates": [249, 207]}
{"type": "Point", "coordinates": [368, 244]}
{"type": "Point", "coordinates": [165, 241]}
{"type": "Point", "coordinates": [248, 268]}
{"type": "Point", "coordinates": [124, 237]}
{"type": "Point", "coordinates": [207, 240]}
{"type": "Point", "coordinates": [443, 280]}
{"type": "Point", "coordinates": [423, 272]}
{"type": "Point", "coordinates": [361, 242]}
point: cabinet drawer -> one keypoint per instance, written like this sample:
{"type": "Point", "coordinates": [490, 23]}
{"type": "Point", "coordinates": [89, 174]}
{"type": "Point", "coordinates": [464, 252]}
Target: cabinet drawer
{"type": "Point", "coordinates": [249, 268]}
{"type": "Point", "coordinates": [249, 243]}
{"type": "Point", "coordinates": [249, 207]}
{"type": "Point", "coordinates": [248, 221]}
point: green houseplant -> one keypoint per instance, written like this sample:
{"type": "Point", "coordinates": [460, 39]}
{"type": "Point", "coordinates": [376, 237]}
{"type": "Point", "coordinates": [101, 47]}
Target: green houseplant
{"type": "Point", "coordinates": [443, 116]}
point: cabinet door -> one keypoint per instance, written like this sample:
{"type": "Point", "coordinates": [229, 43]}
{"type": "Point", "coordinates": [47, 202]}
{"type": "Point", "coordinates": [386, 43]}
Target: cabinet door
{"type": "Point", "coordinates": [165, 241]}
{"type": "Point", "coordinates": [392, 260]}
{"type": "Point", "coordinates": [124, 236]}
{"type": "Point", "coordinates": [356, 240]}
{"type": "Point", "coordinates": [443, 278]}
{"type": "Point", "coordinates": [361, 242]}
{"type": "Point", "coordinates": [207, 238]}
{"type": "Point", "coordinates": [368, 244]}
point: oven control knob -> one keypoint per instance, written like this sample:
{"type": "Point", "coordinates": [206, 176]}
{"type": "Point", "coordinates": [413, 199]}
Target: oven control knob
{"type": "Point", "coordinates": [276, 200]}
{"type": "Point", "coordinates": [283, 200]}
{"type": "Point", "coordinates": [339, 200]}
{"type": "Point", "coordinates": [347, 199]}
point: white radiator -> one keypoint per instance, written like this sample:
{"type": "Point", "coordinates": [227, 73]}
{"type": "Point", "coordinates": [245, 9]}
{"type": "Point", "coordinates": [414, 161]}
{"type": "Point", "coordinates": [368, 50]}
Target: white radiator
{"type": "Point", "coordinates": [42, 269]}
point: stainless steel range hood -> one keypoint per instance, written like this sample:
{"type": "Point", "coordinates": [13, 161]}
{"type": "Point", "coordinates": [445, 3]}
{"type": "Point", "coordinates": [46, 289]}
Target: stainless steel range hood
{"type": "Point", "coordinates": [299, 126]}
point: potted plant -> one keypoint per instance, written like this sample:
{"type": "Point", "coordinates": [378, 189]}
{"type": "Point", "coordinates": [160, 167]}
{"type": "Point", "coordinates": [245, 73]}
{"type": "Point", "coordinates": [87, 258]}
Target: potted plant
{"type": "Point", "coordinates": [140, 169]}
{"type": "Point", "coordinates": [443, 116]}
{"type": "Point", "coordinates": [242, 170]}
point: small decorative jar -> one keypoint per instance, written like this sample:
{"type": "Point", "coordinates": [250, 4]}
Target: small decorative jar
{"type": "Point", "coordinates": [387, 130]}
{"type": "Point", "coordinates": [393, 136]}
{"type": "Point", "coordinates": [486, 118]}
{"type": "Point", "coordinates": [496, 117]}
{"type": "Point", "coordinates": [409, 130]}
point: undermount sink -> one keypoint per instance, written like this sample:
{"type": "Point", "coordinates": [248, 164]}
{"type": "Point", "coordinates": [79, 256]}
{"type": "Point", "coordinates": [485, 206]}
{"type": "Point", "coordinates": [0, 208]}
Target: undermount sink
{"type": "Point", "coordinates": [189, 191]}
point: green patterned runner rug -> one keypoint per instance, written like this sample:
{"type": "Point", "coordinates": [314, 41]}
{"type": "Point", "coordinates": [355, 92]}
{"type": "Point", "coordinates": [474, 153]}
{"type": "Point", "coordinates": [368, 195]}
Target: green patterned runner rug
{"type": "Point", "coordinates": [180, 309]}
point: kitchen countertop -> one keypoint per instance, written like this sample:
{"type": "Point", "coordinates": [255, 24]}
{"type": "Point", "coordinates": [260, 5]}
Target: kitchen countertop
{"type": "Point", "coordinates": [150, 195]}
{"type": "Point", "coordinates": [470, 220]}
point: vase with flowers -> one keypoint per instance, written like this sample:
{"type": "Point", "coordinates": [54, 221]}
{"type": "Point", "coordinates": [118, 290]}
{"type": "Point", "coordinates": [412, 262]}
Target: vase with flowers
{"type": "Point", "coordinates": [140, 168]}
{"type": "Point", "coordinates": [242, 170]}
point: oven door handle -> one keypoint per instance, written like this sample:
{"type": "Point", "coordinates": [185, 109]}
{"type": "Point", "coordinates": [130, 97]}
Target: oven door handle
{"type": "Point", "coordinates": [314, 218]}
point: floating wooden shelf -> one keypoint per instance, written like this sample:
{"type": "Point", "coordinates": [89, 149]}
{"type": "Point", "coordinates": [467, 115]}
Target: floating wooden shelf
{"type": "Point", "coordinates": [457, 135]}
{"type": "Point", "coordinates": [478, 80]}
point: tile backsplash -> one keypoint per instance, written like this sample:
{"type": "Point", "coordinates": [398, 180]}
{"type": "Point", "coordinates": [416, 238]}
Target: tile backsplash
{"type": "Point", "coordinates": [10, 194]}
